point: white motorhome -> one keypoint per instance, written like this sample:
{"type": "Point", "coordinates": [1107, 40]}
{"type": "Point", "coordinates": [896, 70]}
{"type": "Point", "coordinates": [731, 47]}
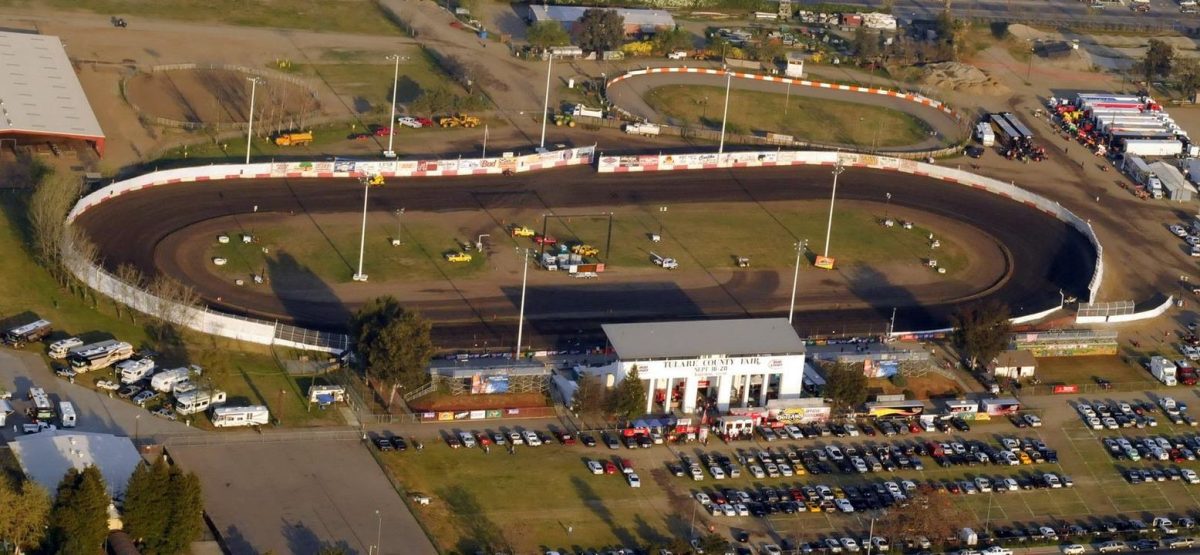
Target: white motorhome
{"type": "Point", "coordinates": [194, 401]}
{"type": "Point", "coordinates": [66, 415]}
{"type": "Point", "coordinates": [229, 417]}
{"type": "Point", "coordinates": [99, 355]}
{"type": "Point", "coordinates": [133, 371]}
{"type": "Point", "coordinates": [166, 380]}
{"type": "Point", "coordinates": [61, 348]}
{"type": "Point", "coordinates": [28, 333]}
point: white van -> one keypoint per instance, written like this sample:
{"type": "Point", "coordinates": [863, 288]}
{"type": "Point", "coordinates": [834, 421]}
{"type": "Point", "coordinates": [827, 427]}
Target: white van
{"type": "Point", "coordinates": [135, 370]}
{"type": "Point", "coordinates": [66, 414]}
{"type": "Point", "coordinates": [61, 348]}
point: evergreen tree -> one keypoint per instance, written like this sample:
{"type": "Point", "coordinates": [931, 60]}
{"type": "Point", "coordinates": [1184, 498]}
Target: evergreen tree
{"type": "Point", "coordinates": [187, 504]}
{"type": "Point", "coordinates": [23, 512]}
{"type": "Point", "coordinates": [79, 519]}
{"type": "Point", "coordinates": [630, 399]}
{"type": "Point", "coordinates": [147, 505]}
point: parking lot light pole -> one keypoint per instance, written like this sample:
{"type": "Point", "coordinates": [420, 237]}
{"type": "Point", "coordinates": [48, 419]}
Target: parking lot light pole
{"type": "Point", "coordinates": [378, 531]}
{"type": "Point", "coordinates": [521, 315]}
{"type": "Point", "coordinates": [362, 241]}
{"type": "Point", "coordinates": [546, 102]}
{"type": "Point", "coordinates": [725, 116]}
{"type": "Point", "coordinates": [250, 124]}
{"type": "Point", "coordinates": [795, 280]}
{"type": "Point", "coordinates": [389, 153]}
{"type": "Point", "coordinates": [837, 170]}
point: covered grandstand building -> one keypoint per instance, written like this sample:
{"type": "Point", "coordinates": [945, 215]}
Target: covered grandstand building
{"type": "Point", "coordinates": [41, 99]}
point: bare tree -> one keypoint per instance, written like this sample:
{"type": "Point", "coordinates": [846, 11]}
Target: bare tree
{"type": "Point", "coordinates": [172, 306]}
{"type": "Point", "coordinates": [131, 280]}
{"type": "Point", "coordinates": [47, 213]}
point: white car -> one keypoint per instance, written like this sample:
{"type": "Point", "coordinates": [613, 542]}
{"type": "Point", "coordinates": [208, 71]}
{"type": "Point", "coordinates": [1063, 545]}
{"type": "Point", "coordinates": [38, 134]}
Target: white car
{"type": "Point", "coordinates": [1074, 549]}
{"type": "Point", "coordinates": [1033, 421]}
{"type": "Point", "coordinates": [108, 385]}
{"type": "Point", "coordinates": [1178, 230]}
{"type": "Point", "coordinates": [467, 439]}
{"type": "Point", "coordinates": [997, 550]}
{"type": "Point", "coordinates": [703, 498]}
{"type": "Point", "coordinates": [1011, 485]}
{"type": "Point", "coordinates": [851, 430]}
{"type": "Point", "coordinates": [984, 485]}
{"type": "Point", "coordinates": [850, 545]}
{"type": "Point", "coordinates": [697, 474]}
{"type": "Point", "coordinates": [1052, 481]}
{"type": "Point", "coordinates": [717, 472]}
{"type": "Point", "coordinates": [741, 509]}
{"type": "Point", "coordinates": [1190, 476]}
{"type": "Point", "coordinates": [793, 431]}
{"type": "Point", "coordinates": [595, 467]}
{"type": "Point", "coordinates": [532, 439]}
{"type": "Point", "coordinates": [1049, 533]}
{"type": "Point", "coordinates": [634, 481]}
{"type": "Point", "coordinates": [1110, 423]}
{"type": "Point", "coordinates": [844, 505]}
{"type": "Point", "coordinates": [408, 121]}
{"type": "Point", "coordinates": [728, 510]}
{"type": "Point", "coordinates": [1095, 423]}
{"type": "Point", "coordinates": [757, 471]}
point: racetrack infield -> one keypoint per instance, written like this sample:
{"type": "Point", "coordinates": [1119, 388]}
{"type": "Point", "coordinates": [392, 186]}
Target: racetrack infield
{"type": "Point", "coordinates": [1044, 254]}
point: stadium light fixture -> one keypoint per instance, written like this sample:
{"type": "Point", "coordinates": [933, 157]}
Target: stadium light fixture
{"type": "Point", "coordinates": [837, 170]}
{"type": "Point", "coordinates": [389, 153]}
{"type": "Point", "coordinates": [362, 242]}
{"type": "Point", "coordinates": [546, 102]}
{"type": "Point", "coordinates": [725, 116]}
{"type": "Point", "coordinates": [250, 126]}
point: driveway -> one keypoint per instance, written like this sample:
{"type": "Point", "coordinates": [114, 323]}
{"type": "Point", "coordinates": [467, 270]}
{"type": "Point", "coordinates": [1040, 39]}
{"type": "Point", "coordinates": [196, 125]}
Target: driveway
{"type": "Point", "coordinates": [97, 411]}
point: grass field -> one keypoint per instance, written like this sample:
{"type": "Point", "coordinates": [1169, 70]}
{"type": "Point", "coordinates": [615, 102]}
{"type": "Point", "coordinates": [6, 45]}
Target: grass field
{"type": "Point", "coordinates": [807, 119]}
{"type": "Point", "coordinates": [338, 16]}
{"type": "Point", "coordinates": [699, 236]}
{"type": "Point", "coordinates": [1085, 370]}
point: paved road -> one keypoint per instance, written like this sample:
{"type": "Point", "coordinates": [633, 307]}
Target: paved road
{"type": "Point", "coordinates": [1045, 255]}
{"type": "Point", "coordinates": [96, 412]}
{"type": "Point", "coordinates": [629, 95]}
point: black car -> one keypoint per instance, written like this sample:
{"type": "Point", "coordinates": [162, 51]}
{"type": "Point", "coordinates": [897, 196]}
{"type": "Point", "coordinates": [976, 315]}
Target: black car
{"type": "Point", "coordinates": [587, 440]}
{"type": "Point", "coordinates": [741, 536]}
{"type": "Point", "coordinates": [610, 441]}
{"type": "Point", "coordinates": [975, 151]}
{"type": "Point", "coordinates": [383, 444]}
{"type": "Point", "coordinates": [129, 391]}
{"type": "Point", "coordinates": [644, 441]}
{"type": "Point", "coordinates": [960, 424]}
{"type": "Point", "coordinates": [399, 443]}
{"type": "Point", "coordinates": [675, 469]}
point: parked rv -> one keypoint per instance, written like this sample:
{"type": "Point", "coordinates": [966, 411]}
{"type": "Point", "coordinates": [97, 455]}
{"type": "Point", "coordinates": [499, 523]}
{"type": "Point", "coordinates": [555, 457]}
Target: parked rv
{"type": "Point", "coordinates": [135, 370]}
{"type": "Point", "coordinates": [28, 333]}
{"type": "Point", "coordinates": [229, 417]}
{"type": "Point", "coordinates": [166, 380]}
{"type": "Point", "coordinates": [42, 408]}
{"type": "Point", "coordinates": [61, 348]}
{"type": "Point", "coordinates": [99, 355]}
{"type": "Point", "coordinates": [194, 401]}
{"type": "Point", "coordinates": [66, 415]}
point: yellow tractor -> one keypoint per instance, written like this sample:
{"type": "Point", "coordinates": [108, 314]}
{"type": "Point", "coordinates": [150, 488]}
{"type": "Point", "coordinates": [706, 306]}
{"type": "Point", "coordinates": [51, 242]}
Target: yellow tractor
{"type": "Point", "coordinates": [294, 138]}
{"type": "Point", "coordinates": [458, 257]}
{"type": "Point", "coordinates": [521, 231]}
{"type": "Point", "coordinates": [458, 120]}
{"type": "Point", "coordinates": [585, 250]}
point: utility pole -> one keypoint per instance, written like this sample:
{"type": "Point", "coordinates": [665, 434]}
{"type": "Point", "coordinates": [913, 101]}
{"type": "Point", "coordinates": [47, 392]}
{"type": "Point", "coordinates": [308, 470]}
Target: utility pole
{"type": "Point", "coordinates": [800, 248]}
{"type": "Point", "coordinates": [837, 170]}
{"type": "Point", "coordinates": [362, 242]}
{"type": "Point", "coordinates": [546, 102]}
{"type": "Point", "coordinates": [250, 125]}
{"type": "Point", "coordinates": [521, 317]}
{"type": "Point", "coordinates": [892, 323]}
{"type": "Point", "coordinates": [725, 115]}
{"type": "Point", "coordinates": [389, 153]}
{"type": "Point", "coordinates": [483, 154]}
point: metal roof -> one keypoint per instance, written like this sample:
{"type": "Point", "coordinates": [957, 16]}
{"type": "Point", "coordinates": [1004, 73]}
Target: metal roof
{"type": "Point", "coordinates": [1014, 359]}
{"type": "Point", "coordinates": [46, 456]}
{"type": "Point", "coordinates": [487, 367]}
{"type": "Point", "coordinates": [754, 336]}
{"type": "Point", "coordinates": [570, 14]}
{"type": "Point", "coordinates": [39, 91]}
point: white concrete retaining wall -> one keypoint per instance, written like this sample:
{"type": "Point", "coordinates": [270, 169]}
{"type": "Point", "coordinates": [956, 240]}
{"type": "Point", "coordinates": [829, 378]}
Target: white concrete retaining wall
{"type": "Point", "coordinates": [1144, 315]}
{"type": "Point", "coordinates": [258, 331]}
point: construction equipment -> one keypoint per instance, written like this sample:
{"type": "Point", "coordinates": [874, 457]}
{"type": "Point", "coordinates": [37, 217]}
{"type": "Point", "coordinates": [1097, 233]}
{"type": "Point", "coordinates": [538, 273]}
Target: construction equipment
{"type": "Point", "coordinates": [375, 180]}
{"type": "Point", "coordinates": [585, 250]}
{"type": "Point", "coordinates": [458, 257]}
{"type": "Point", "coordinates": [458, 120]}
{"type": "Point", "coordinates": [294, 138]}
{"type": "Point", "coordinates": [564, 120]}
{"type": "Point", "coordinates": [743, 261]}
{"type": "Point", "coordinates": [520, 231]}
{"type": "Point", "coordinates": [666, 263]}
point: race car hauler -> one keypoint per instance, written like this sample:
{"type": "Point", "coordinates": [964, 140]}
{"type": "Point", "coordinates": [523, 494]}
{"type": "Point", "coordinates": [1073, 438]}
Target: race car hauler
{"type": "Point", "coordinates": [28, 333]}
{"type": "Point", "coordinates": [99, 355]}
{"type": "Point", "coordinates": [229, 417]}
{"type": "Point", "coordinates": [1163, 370]}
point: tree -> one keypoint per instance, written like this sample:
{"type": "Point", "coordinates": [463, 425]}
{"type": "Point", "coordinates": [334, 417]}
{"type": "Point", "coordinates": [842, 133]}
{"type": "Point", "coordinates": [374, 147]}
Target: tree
{"type": "Point", "coordinates": [162, 508]}
{"type": "Point", "coordinates": [47, 213]}
{"type": "Point", "coordinates": [1187, 76]}
{"type": "Point", "coordinates": [629, 400]}
{"type": "Point", "coordinates": [981, 331]}
{"type": "Point", "coordinates": [24, 508]}
{"type": "Point", "coordinates": [668, 41]}
{"type": "Point", "coordinates": [187, 506]}
{"type": "Point", "coordinates": [392, 343]}
{"type": "Point", "coordinates": [1157, 60]}
{"type": "Point", "coordinates": [846, 386]}
{"type": "Point", "coordinates": [866, 44]}
{"type": "Point", "coordinates": [79, 518]}
{"type": "Point", "coordinates": [590, 395]}
{"type": "Point", "coordinates": [600, 29]}
{"type": "Point", "coordinates": [766, 51]}
{"type": "Point", "coordinates": [545, 34]}
{"type": "Point", "coordinates": [931, 516]}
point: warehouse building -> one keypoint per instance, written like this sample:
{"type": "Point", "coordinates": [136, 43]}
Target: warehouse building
{"type": "Point", "coordinates": [637, 22]}
{"type": "Point", "coordinates": [41, 100]}
{"type": "Point", "coordinates": [719, 363]}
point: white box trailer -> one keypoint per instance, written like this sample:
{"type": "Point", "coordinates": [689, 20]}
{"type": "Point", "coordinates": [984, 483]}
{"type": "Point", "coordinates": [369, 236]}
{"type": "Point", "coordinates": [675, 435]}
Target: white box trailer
{"type": "Point", "coordinates": [135, 370]}
{"type": "Point", "coordinates": [648, 129]}
{"type": "Point", "coordinates": [984, 134]}
{"type": "Point", "coordinates": [66, 415]}
{"type": "Point", "coordinates": [581, 110]}
{"type": "Point", "coordinates": [6, 409]}
{"type": "Point", "coordinates": [194, 401]}
{"type": "Point", "coordinates": [1154, 147]}
{"type": "Point", "coordinates": [61, 348]}
{"type": "Point", "coordinates": [231, 417]}
{"type": "Point", "coordinates": [166, 381]}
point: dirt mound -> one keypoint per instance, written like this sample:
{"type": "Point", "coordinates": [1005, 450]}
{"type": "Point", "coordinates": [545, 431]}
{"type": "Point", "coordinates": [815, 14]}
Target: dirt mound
{"type": "Point", "coordinates": [216, 96]}
{"type": "Point", "coordinates": [961, 77]}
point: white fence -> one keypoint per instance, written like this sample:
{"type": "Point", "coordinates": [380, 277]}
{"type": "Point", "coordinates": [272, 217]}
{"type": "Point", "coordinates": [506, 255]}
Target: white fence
{"type": "Point", "coordinates": [1135, 316]}
{"type": "Point", "coordinates": [258, 331]}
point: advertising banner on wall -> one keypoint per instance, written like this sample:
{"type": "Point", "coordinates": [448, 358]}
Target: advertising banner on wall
{"type": "Point", "coordinates": [495, 413]}
{"type": "Point", "coordinates": [607, 164]}
{"type": "Point", "coordinates": [478, 414]}
{"type": "Point", "coordinates": [279, 168]}
{"type": "Point", "coordinates": [448, 165]}
{"type": "Point", "coordinates": [343, 166]}
{"type": "Point", "coordinates": [407, 166]}
{"type": "Point", "coordinates": [468, 165]}
{"type": "Point", "coordinates": [428, 166]}
{"type": "Point", "coordinates": [487, 385]}
{"type": "Point", "coordinates": [585, 152]}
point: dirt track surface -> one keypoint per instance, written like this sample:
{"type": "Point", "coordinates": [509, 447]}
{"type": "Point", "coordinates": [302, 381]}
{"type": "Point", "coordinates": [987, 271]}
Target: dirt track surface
{"type": "Point", "coordinates": [629, 93]}
{"type": "Point", "coordinates": [1045, 255]}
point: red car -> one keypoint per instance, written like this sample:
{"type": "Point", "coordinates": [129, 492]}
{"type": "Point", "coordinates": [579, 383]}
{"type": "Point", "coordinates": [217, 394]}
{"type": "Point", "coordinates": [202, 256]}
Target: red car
{"type": "Point", "coordinates": [359, 136]}
{"type": "Point", "coordinates": [566, 438]}
{"type": "Point", "coordinates": [544, 240]}
{"type": "Point", "coordinates": [483, 439]}
{"type": "Point", "coordinates": [425, 122]}
{"type": "Point", "coordinates": [609, 467]}
{"type": "Point", "coordinates": [914, 427]}
{"type": "Point", "coordinates": [383, 131]}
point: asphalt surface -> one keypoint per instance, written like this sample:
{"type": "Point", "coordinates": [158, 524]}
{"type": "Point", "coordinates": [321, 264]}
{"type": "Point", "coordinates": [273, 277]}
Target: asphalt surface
{"type": "Point", "coordinates": [1046, 255]}
{"type": "Point", "coordinates": [629, 94]}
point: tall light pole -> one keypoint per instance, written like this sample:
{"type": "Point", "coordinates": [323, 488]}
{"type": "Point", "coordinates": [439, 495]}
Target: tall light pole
{"type": "Point", "coordinates": [837, 170]}
{"type": "Point", "coordinates": [483, 154]}
{"type": "Point", "coordinates": [521, 315]}
{"type": "Point", "coordinates": [725, 116]}
{"type": "Point", "coordinates": [250, 125]}
{"type": "Point", "coordinates": [661, 210]}
{"type": "Point", "coordinates": [399, 225]}
{"type": "Point", "coordinates": [546, 102]}
{"type": "Point", "coordinates": [362, 241]}
{"type": "Point", "coordinates": [392, 122]}
{"type": "Point", "coordinates": [800, 248]}
{"type": "Point", "coordinates": [887, 204]}
{"type": "Point", "coordinates": [378, 532]}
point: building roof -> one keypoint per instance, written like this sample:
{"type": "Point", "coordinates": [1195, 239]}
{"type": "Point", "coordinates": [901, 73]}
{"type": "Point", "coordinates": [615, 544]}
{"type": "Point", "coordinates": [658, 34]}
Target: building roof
{"type": "Point", "coordinates": [570, 14]}
{"type": "Point", "coordinates": [1171, 177]}
{"type": "Point", "coordinates": [487, 367]}
{"type": "Point", "coordinates": [46, 456]}
{"type": "Point", "coordinates": [1011, 359]}
{"type": "Point", "coordinates": [39, 91]}
{"type": "Point", "coordinates": [753, 336]}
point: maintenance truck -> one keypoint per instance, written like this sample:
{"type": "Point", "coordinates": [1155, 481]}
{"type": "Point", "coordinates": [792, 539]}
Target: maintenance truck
{"type": "Point", "coordinates": [294, 138]}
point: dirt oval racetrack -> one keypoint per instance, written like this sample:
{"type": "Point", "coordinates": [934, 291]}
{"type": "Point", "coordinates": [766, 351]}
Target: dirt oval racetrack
{"type": "Point", "coordinates": [1044, 255]}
